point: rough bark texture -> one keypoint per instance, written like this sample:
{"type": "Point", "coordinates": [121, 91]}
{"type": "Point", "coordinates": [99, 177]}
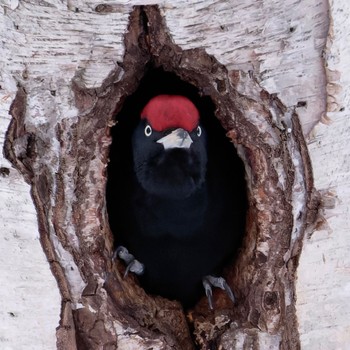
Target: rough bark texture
{"type": "Point", "coordinates": [99, 308]}
{"type": "Point", "coordinates": [323, 274]}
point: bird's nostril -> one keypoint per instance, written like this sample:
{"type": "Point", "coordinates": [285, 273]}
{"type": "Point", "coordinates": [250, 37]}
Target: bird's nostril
{"type": "Point", "coordinates": [182, 133]}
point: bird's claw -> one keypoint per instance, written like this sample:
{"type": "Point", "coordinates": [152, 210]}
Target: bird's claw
{"type": "Point", "coordinates": [211, 281]}
{"type": "Point", "coordinates": [132, 264]}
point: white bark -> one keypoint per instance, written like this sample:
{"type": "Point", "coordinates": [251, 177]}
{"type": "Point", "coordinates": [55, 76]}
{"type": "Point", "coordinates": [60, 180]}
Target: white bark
{"type": "Point", "coordinates": [29, 298]}
{"type": "Point", "coordinates": [323, 288]}
{"type": "Point", "coordinates": [45, 44]}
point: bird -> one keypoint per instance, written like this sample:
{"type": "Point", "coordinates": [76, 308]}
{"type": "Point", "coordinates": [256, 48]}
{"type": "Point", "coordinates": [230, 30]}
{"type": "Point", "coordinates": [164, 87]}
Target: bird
{"type": "Point", "coordinates": [176, 214]}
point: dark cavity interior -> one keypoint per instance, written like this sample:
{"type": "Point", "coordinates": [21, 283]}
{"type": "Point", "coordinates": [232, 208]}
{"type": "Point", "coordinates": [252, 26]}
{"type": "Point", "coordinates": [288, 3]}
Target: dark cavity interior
{"type": "Point", "coordinates": [221, 155]}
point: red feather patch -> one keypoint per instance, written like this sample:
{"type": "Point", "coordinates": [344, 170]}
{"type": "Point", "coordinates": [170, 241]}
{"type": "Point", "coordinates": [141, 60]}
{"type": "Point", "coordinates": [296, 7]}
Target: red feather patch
{"type": "Point", "coordinates": [171, 111]}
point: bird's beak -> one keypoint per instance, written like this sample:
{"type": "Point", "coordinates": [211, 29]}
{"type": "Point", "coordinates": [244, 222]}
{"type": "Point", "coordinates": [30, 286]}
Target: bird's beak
{"type": "Point", "coordinates": [178, 138]}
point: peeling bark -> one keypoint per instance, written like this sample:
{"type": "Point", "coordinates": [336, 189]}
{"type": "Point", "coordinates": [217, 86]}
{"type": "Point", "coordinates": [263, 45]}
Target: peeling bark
{"type": "Point", "coordinates": [102, 310]}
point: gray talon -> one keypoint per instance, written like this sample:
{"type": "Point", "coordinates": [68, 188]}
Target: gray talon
{"type": "Point", "coordinates": [211, 281]}
{"type": "Point", "coordinates": [208, 291]}
{"type": "Point", "coordinates": [136, 267]}
{"type": "Point", "coordinates": [132, 264]}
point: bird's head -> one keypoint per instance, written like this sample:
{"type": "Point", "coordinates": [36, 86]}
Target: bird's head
{"type": "Point", "coordinates": [169, 147]}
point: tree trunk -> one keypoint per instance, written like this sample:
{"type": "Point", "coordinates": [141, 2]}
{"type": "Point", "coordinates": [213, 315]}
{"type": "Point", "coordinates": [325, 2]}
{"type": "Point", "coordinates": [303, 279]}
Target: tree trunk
{"type": "Point", "coordinates": [272, 75]}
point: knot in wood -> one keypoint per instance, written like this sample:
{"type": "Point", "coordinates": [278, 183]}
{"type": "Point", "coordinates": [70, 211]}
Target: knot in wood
{"type": "Point", "coordinates": [271, 300]}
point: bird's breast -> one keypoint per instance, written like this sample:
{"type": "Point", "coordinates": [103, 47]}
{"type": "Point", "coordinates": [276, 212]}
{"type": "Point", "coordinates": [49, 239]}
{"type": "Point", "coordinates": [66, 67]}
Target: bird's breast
{"type": "Point", "coordinates": [177, 218]}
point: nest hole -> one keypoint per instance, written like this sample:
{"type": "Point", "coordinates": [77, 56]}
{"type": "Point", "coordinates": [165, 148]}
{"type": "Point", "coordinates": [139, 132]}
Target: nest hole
{"type": "Point", "coordinates": [220, 151]}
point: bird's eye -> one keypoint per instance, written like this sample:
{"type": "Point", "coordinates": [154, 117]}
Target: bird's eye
{"type": "Point", "coordinates": [148, 130]}
{"type": "Point", "coordinates": [199, 131]}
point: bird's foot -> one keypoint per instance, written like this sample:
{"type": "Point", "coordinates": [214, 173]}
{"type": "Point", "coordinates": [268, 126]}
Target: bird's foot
{"type": "Point", "coordinates": [211, 281]}
{"type": "Point", "coordinates": [132, 264]}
